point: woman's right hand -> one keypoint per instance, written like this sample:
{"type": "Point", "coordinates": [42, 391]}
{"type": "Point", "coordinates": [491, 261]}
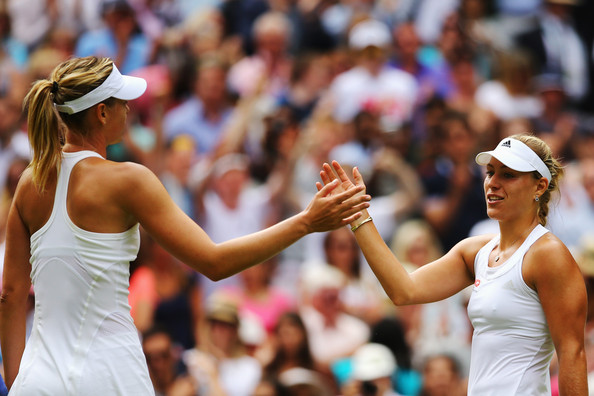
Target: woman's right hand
{"type": "Point", "coordinates": [335, 205]}
{"type": "Point", "coordinates": [335, 172]}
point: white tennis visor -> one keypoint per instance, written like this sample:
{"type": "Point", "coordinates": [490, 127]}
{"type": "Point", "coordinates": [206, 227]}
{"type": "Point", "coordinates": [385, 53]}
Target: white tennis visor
{"type": "Point", "coordinates": [515, 155]}
{"type": "Point", "coordinates": [115, 85]}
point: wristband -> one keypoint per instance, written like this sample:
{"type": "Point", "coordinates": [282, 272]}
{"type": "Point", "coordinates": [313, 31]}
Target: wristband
{"type": "Point", "coordinates": [355, 227]}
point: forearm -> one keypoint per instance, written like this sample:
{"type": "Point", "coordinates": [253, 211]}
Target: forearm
{"type": "Point", "coordinates": [573, 379]}
{"type": "Point", "coordinates": [12, 335]}
{"type": "Point", "coordinates": [235, 255]}
{"type": "Point", "coordinates": [394, 279]}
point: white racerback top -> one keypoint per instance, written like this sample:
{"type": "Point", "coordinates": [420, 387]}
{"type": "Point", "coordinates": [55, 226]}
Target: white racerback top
{"type": "Point", "coordinates": [511, 344]}
{"type": "Point", "coordinates": [83, 340]}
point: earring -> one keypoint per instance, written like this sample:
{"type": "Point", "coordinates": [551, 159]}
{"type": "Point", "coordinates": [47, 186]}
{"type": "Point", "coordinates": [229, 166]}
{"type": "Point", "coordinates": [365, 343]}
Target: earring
{"type": "Point", "coordinates": [536, 198]}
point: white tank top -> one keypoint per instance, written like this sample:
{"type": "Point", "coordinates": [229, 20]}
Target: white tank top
{"type": "Point", "coordinates": [511, 344]}
{"type": "Point", "coordinates": [83, 340]}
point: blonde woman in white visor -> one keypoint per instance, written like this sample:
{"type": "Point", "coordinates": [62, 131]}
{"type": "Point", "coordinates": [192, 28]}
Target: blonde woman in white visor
{"type": "Point", "coordinates": [73, 229]}
{"type": "Point", "coordinates": [528, 298]}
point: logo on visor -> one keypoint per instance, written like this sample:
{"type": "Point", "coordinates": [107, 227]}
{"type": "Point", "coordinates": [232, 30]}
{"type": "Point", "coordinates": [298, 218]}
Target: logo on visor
{"type": "Point", "coordinates": [507, 144]}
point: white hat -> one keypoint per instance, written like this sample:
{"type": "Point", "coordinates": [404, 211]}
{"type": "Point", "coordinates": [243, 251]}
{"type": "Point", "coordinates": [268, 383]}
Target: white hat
{"type": "Point", "coordinates": [372, 361]}
{"type": "Point", "coordinates": [369, 33]}
{"type": "Point", "coordinates": [517, 156]}
{"type": "Point", "coordinates": [115, 86]}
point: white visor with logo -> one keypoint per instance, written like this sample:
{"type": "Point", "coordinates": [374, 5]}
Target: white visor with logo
{"type": "Point", "coordinates": [517, 156]}
{"type": "Point", "coordinates": [115, 86]}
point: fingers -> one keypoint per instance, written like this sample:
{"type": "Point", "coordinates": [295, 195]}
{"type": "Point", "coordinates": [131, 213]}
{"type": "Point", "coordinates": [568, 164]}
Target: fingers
{"type": "Point", "coordinates": [340, 172]}
{"type": "Point", "coordinates": [324, 191]}
{"type": "Point", "coordinates": [352, 191]}
{"type": "Point", "coordinates": [327, 174]}
{"type": "Point", "coordinates": [357, 177]}
{"type": "Point", "coordinates": [319, 186]}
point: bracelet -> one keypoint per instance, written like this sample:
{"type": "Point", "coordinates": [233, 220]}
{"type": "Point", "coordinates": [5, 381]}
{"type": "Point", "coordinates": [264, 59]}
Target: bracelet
{"type": "Point", "coordinates": [355, 227]}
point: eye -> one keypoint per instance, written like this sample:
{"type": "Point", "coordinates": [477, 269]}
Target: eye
{"type": "Point", "coordinates": [490, 173]}
{"type": "Point", "coordinates": [509, 175]}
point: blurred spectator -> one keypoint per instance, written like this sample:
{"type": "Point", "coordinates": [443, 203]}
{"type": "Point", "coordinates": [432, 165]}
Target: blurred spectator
{"type": "Point", "coordinates": [454, 198]}
{"type": "Point", "coordinates": [179, 157]}
{"type": "Point", "coordinates": [303, 382]}
{"type": "Point", "coordinates": [30, 21]}
{"type": "Point", "coordinates": [360, 296]}
{"type": "Point", "coordinates": [390, 331]}
{"type": "Point", "coordinates": [289, 346]}
{"type": "Point", "coordinates": [310, 77]}
{"type": "Point", "coordinates": [510, 95]}
{"type": "Point", "coordinates": [442, 377]}
{"type": "Point", "coordinates": [205, 114]}
{"type": "Point", "coordinates": [257, 297]}
{"type": "Point", "coordinates": [270, 386]}
{"type": "Point", "coordinates": [407, 45]}
{"type": "Point", "coordinates": [270, 61]}
{"type": "Point", "coordinates": [238, 373]}
{"type": "Point", "coordinates": [372, 85]}
{"type": "Point", "coordinates": [573, 216]}
{"type": "Point", "coordinates": [438, 326]}
{"type": "Point", "coordinates": [230, 205]}
{"type": "Point", "coordinates": [557, 47]}
{"type": "Point", "coordinates": [12, 48]}
{"type": "Point", "coordinates": [121, 39]}
{"type": "Point", "coordinates": [557, 123]}
{"type": "Point", "coordinates": [163, 361]}
{"type": "Point", "coordinates": [373, 366]}
{"type": "Point", "coordinates": [166, 293]}
{"type": "Point", "coordinates": [333, 334]}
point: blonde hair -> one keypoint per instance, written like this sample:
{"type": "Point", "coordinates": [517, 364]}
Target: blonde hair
{"type": "Point", "coordinates": [68, 81]}
{"type": "Point", "coordinates": [546, 155]}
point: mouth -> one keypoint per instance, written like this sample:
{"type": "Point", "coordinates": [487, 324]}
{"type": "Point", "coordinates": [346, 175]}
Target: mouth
{"type": "Point", "coordinates": [494, 198]}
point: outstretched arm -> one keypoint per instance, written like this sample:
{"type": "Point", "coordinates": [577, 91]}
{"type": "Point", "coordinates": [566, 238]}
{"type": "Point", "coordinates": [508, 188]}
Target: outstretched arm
{"type": "Point", "coordinates": [432, 282]}
{"type": "Point", "coordinates": [148, 202]}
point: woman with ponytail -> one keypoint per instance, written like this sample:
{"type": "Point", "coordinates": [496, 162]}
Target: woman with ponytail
{"type": "Point", "coordinates": [73, 229]}
{"type": "Point", "coordinates": [528, 297]}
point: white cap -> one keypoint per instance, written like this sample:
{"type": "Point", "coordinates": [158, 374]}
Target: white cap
{"type": "Point", "coordinates": [515, 155]}
{"type": "Point", "coordinates": [372, 361]}
{"type": "Point", "coordinates": [115, 86]}
{"type": "Point", "coordinates": [369, 33]}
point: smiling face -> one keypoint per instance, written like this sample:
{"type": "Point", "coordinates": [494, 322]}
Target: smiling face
{"type": "Point", "coordinates": [509, 193]}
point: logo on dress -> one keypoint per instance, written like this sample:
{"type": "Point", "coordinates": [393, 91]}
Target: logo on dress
{"type": "Point", "coordinates": [477, 283]}
{"type": "Point", "coordinates": [507, 144]}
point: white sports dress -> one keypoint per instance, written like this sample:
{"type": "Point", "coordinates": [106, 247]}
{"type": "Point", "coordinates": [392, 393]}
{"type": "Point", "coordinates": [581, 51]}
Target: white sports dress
{"type": "Point", "coordinates": [83, 340]}
{"type": "Point", "coordinates": [511, 344]}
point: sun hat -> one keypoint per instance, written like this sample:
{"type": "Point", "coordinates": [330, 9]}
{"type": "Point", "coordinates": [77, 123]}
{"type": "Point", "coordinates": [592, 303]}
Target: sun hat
{"type": "Point", "coordinates": [515, 155]}
{"type": "Point", "coordinates": [369, 33]}
{"type": "Point", "coordinates": [115, 86]}
{"type": "Point", "coordinates": [372, 361]}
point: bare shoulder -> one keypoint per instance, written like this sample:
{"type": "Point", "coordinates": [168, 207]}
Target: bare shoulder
{"type": "Point", "coordinates": [470, 246]}
{"type": "Point", "coordinates": [119, 177]}
{"type": "Point", "coordinates": [548, 258]}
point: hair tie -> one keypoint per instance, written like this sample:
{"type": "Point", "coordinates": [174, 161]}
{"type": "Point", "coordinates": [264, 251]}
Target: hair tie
{"type": "Point", "coordinates": [55, 87]}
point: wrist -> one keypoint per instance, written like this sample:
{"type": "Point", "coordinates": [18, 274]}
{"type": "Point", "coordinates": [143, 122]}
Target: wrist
{"type": "Point", "coordinates": [357, 222]}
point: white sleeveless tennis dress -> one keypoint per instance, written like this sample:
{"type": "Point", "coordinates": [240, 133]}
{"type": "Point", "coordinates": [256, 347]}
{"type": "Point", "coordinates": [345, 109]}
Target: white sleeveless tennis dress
{"type": "Point", "coordinates": [83, 340]}
{"type": "Point", "coordinates": [511, 344]}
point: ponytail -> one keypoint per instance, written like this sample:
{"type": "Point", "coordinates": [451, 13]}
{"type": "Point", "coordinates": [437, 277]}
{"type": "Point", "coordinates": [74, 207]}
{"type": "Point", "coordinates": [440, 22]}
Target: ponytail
{"type": "Point", "coordinates": [45, 132]}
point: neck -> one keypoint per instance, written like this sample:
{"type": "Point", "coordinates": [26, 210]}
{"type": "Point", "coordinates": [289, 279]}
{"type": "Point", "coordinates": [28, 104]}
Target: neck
{"type": "Point", "coordinates": [515, 232]}
{"type": "Point", "coordinates": [76, 142]}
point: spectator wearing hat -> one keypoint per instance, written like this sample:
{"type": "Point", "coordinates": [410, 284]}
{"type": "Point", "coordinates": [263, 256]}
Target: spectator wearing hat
{"type": "Point", "coordinates": [333, 334]}
{"type": "Point", "coordinates": [371, 84]}
{"type": "Point", "coordinates": [373, 366]}
{"type": "Point", "coordinates": [220, 344]}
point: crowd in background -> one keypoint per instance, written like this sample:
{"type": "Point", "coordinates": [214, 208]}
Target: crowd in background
{"type": "Point", "coordinates": [247, 99]}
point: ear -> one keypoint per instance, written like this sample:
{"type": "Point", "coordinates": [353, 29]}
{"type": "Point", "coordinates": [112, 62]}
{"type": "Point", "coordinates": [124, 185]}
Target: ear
{"type": "Point", "coordinates": [101, 113]}
{"type": "Point", "coordinates": [542, 186]}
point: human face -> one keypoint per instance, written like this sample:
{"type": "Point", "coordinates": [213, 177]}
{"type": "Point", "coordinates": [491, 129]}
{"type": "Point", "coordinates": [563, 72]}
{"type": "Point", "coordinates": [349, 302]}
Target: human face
{"type": "Point", "coordinates": [509, 193]}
